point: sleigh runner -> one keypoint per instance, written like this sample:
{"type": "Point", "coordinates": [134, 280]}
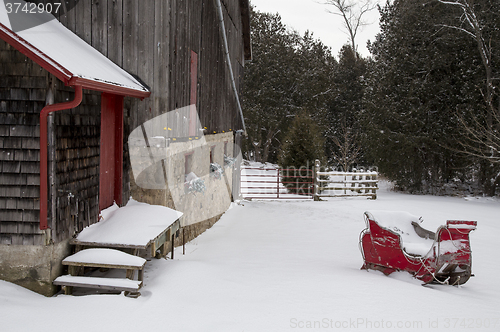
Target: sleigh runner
{"type": "Point", "coordinates": [395, 241]}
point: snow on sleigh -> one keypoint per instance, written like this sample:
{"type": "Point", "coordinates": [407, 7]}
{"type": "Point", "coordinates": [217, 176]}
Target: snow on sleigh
{"type": "Point", "coordinates": [395, 241]}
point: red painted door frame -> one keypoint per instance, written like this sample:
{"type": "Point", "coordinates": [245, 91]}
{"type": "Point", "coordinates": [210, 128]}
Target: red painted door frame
{"type": "Point", "coordinates": [111, 155]}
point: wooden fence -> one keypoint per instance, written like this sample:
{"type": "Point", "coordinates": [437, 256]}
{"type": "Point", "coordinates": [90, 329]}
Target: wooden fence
{"type": "Point", "coordinates": [344, 184]}
{"type": "Point", "coordinates": [276, 183]}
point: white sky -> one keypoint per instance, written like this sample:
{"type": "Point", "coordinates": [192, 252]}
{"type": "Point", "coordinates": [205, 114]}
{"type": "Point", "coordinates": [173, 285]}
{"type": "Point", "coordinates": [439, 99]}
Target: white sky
{"type": "Point", "coordinates": [312, 15]}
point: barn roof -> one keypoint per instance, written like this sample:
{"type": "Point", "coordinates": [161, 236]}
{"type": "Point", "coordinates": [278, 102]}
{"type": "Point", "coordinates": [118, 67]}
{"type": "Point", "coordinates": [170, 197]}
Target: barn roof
{"type": "Point", "coordinates": [68, 57]}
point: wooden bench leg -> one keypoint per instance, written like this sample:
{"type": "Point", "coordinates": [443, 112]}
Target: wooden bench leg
{"type": "Point", "coordinates": [160, 252]}
{"type": "Point", "coordinates": [173, 246]}
{"type": "Point", "coordinates": [140, 275]}
{"type": "Point", "coordinates": [164, 250]}
{"type": "Point", "coordinates": [68, 290]}
{"type": "Point", "coordinates": [75, 270]}
{"type": "Point", "coordinates": [183, 241]}
{"type": "Point", "coordinates": [133, 295]}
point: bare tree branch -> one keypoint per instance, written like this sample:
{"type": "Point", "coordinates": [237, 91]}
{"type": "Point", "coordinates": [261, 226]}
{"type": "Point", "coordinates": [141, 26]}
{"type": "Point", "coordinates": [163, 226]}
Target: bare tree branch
{"type": "Point", "coordinates": [348, 149]}
{"type": "Point", "coordinates": [352, 11]}
{"type": "Point", "coordinates": [484, 140]}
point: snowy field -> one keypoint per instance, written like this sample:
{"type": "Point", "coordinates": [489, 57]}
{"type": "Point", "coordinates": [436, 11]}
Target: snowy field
{"type": "Point", "coordinates": [286, 266]}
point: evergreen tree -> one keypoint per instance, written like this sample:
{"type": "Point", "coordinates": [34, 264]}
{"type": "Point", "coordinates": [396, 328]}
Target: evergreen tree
{"type": "Point", "coordinates": [343, 130]}
{"type": "Point", "coordinates": [303, 144]}
{"type": "Point", "coordinates": [479, 22]}
{"type": "Point", "coordinates": [288, 72]}
{"type": "Point", "coordinates": [269, 80]}
{"type": "Point", "coordinates": [420, 78]}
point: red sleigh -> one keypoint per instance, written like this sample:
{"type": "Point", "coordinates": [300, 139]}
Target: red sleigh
{"type": "Point", "coordinates": [395, 241]}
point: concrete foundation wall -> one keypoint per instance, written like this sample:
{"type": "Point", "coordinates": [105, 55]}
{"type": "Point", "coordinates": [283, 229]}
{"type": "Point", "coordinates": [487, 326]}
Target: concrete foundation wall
{"type": "Point", "coordinates": [201, 209]}
{"type": "Point", "coordinates": [164, 182]}
{"type": "Point", "coordinates": [215, 200]}
{"type": "Point", "coordinates": [33, 267]}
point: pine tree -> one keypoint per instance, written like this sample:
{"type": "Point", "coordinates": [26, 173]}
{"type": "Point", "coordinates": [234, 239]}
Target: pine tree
{"type": "Point", "coordinates": [419, 79]}
{"type": "Point", "coordinates": [343, 130]}
{"type": "Point", "coordinates": [269, 80]}
{"type": "Point", "coordinates": [303, 145]}
{"type": "Point", "coordinates": [288, 72]}
{"type": "Point", "coordinates": [479, 21]}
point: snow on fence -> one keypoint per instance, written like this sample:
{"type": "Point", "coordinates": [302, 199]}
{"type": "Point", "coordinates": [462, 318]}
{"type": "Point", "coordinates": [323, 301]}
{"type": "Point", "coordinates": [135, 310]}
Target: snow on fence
{"type": "Point", "coordinates": [344, 184]}
{"type": "Point", "coordinates": [269, 182]}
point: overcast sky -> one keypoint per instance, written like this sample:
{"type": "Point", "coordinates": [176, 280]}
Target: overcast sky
{"type": "Point", "coordinates": [312, 15]}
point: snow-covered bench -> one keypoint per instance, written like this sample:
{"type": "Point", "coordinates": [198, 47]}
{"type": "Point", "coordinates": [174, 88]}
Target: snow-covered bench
{"type": "Point", "coordinates": [136, 226]}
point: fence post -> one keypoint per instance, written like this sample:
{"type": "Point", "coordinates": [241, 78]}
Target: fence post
{"type": "Point", "coordinates": [367, 184]}
{"type": "Point", "coordinates": [353, 179]}
{"type": "Point", "coordinates": [374, 184]}
{"type": "Point", "coordinates": [315, 180]}
{"type": "Point", "coordinates": [278, 183]}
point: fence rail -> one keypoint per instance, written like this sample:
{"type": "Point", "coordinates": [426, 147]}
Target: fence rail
{"type": "Point", "coordinates": [345, 184]}
{"type": "Point", "coordinates": [291, 183]}
{"type": "Point", "coordinates": [276, 183]}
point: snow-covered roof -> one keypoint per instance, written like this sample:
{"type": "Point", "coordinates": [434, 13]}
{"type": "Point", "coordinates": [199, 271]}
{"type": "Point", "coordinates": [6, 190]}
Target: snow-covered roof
{"type": "Point", "coordinates": [68, 57]}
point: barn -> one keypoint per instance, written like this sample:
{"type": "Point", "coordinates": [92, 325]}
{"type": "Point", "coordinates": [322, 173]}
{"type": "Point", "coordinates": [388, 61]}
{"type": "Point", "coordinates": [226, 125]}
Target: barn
{"type": "Point", "coordinates": [110, 100]}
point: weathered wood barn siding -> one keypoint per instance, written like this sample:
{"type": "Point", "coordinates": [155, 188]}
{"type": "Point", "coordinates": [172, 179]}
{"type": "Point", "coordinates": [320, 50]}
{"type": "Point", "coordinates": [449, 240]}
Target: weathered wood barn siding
{"type": "Point", "coordinates": [153, 39]}
{"type": "Point", "coordinates": [24, 86]}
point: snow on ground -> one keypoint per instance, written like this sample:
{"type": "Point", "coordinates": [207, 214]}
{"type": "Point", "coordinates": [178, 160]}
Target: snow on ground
{"type": "Point", "coordinates": [286, 266]}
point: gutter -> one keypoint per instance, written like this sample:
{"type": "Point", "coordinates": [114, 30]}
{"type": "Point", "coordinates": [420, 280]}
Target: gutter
{"type": "Point", "coordinates": [43, 150]}
{"type": "Point", "coordinates": [228, 61]}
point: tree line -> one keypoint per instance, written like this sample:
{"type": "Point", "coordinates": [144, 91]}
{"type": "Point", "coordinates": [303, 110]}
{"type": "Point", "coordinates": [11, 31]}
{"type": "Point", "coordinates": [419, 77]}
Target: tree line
{"type": "Point", "coordinates": [423, 108]}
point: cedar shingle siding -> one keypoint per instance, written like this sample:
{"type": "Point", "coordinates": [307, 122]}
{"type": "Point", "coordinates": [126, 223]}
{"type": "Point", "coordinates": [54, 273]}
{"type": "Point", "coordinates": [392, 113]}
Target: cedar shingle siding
{"type": "Point", "coordinates": [23, 90]}
{"type": "Point", "coordinates": [22, 96]}
{"type": "Point", "coordinates": [77, 167]}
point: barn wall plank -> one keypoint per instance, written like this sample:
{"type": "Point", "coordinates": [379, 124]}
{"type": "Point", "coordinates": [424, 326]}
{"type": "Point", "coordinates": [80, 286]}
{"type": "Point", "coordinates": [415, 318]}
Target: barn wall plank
{"type": "Point", "coordinates": [114, 31]}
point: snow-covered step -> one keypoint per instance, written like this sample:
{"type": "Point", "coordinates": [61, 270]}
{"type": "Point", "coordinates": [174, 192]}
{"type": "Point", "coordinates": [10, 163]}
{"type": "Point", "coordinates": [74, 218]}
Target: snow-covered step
{"type": "Point", "coordinates": [102, 258]}
{"type": "Point", "coordinates": [108, 258]}
{"type": "Point", "coordinates": [118, 284]}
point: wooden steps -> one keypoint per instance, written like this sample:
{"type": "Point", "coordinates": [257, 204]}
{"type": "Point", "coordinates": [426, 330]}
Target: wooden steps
{"type": "Point", "coordinates": [102, 258]}
{"type": "Point", "coordinates": [132, 228]}
{"type": "Point", "coordinates": [118, 284]}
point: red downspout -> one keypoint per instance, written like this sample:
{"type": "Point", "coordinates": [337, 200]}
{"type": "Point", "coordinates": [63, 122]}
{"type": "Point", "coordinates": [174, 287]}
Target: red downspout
{"type": "Point", "coordinates": [43, 149]}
